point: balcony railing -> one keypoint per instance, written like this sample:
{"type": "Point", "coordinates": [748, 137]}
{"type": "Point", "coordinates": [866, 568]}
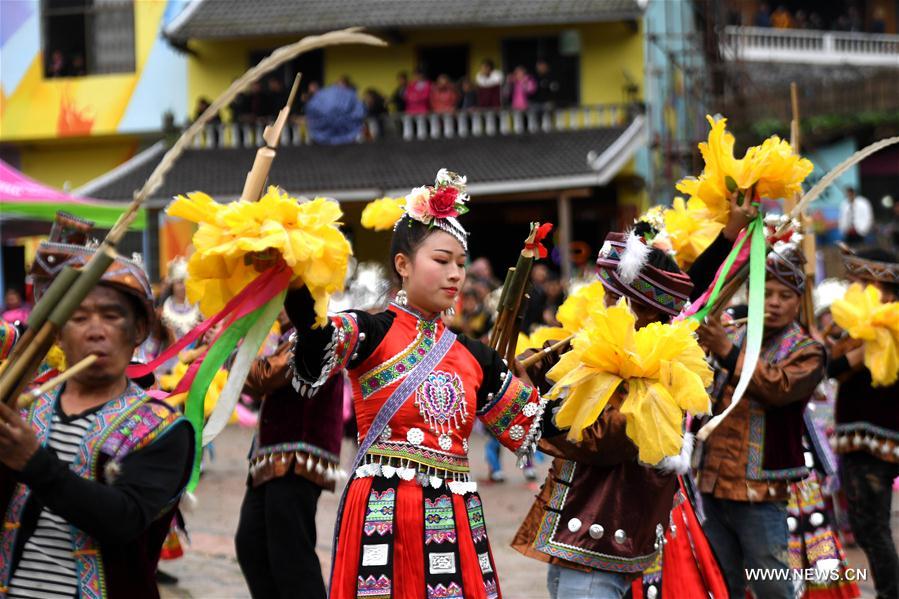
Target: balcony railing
{"type": "Point", "coordinates": [763, 44]}
{"type": "Point", "coordinates": [462, 124]}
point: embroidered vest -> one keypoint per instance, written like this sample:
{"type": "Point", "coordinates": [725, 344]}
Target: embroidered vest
{"type": "Point", "coordinates": [777, 455]}
{"type": "Point", "coordinates": [124, 425]}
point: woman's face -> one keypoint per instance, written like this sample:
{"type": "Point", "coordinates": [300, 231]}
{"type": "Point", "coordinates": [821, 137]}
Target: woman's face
{"type": "Point", "coordinates": [178, 290]}
{"type": "Point", "coordinates": [433, 276]}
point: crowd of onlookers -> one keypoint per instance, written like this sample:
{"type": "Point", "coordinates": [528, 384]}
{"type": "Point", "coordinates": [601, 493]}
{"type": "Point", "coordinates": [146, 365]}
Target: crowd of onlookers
{"type": "Point", "coordinates": [335, 113]}
{"type": "Point", "coordinates": [518, 90]}
{"type": "Point", "coordinates": [415, 95]}
{"type": "Point", "coordinates": [783, 18]}
{"type": "Point", "coordinates": [480, 294]}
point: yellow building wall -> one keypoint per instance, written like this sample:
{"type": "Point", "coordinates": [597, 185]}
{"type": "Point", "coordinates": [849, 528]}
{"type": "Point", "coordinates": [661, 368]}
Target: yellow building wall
{"type": "Point", "coordinates": [608, 52]}
{"type": "Point", "coordinates": [47, 108]}
{"type": "Point", "coordinates": [75, 163]}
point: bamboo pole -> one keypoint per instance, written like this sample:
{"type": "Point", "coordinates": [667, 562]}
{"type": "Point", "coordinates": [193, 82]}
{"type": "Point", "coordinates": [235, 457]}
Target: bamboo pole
{"type": "Point", "coordinates": [17, 374]}
{"type": "Point", "coordinates": [26, 398]}
{"type": "Point", "coordinates": [556, 347]}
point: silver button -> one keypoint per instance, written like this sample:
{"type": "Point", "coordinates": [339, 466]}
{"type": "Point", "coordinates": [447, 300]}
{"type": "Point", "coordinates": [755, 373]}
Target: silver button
{"type": "Point", "coordinates": [652, 592]}
{"type": "Point", "coordinates": [817, 519]}
{"type": "Point", "coordinates": [596, 531]}
{"type": "Point", "coordinates": [620, 536]}
{"type": "Point", "coordinates": [574, 525]}
{"type": "Point", "coordinates": [791, 524]}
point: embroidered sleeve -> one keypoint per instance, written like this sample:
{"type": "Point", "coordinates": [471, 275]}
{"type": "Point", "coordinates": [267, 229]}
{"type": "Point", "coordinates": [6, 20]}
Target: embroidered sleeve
{"type": "Point", "coordinates": [513, 414]}
{"type": "Point", "coordinates": [345, 337]}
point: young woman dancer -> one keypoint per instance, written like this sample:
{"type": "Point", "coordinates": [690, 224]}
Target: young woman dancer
{"type": "Point", "coordinates": [411, 523]}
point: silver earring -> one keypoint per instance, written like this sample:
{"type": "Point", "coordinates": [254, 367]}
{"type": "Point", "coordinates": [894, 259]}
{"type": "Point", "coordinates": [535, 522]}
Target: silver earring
{"type": "Point", "coordinates": [450, 312]}
{"type": "Point", "coordinates": [401, 298]}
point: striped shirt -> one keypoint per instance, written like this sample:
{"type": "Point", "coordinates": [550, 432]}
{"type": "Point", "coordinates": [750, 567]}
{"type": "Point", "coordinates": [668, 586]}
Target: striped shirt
{"type": "Point", "coordinates": [47, 568]}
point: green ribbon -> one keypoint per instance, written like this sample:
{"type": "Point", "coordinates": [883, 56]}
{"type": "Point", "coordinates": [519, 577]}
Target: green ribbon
{"type": "Point", "coordinates": [213, 361]}
{"type": "Point", "coordinates": [755, 326]}
{"type": "Point", "coordinates": [700, 314]}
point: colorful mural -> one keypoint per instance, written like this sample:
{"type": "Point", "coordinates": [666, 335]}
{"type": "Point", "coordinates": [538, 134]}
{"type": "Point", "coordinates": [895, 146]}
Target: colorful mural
{"type": "Point", "coordinates": [33, 107]}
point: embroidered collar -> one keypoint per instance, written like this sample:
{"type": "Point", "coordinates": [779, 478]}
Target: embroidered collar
{"type": "Point", "coordinates": [413, 312]}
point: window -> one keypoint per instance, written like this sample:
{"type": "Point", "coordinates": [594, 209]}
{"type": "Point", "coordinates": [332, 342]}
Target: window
{"type": "Point", "coordinates": [87, 37]}
{"type": "Point", "coordinates": [444, 60]}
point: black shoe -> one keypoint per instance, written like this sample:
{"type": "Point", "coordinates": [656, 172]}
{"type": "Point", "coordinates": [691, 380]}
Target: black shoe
{"type": "Point", "coordinates": [163, 578]}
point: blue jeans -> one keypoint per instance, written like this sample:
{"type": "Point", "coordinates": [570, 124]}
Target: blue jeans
{"type": "Point", "coordinates": [492, 451]}
{"type": "Point", "coordinates": [565, 583]}
{"type": "Point", "coordinates": [748, 535]}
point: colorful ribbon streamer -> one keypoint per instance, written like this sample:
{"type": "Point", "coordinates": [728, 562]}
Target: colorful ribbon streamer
{"type": "Point", "coordinates": [248, 316]}
{"type": "Point", "coordinates": [755, 325]}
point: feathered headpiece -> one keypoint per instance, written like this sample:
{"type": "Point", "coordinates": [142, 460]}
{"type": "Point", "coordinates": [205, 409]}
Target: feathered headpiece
{"type": "Point", "coordinates": [623, 269]}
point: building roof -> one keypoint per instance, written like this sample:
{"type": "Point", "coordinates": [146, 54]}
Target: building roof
{"type": "Point", "coordinates": [363, 171]}
{"type": "Point", "coordinates": [209, 19]}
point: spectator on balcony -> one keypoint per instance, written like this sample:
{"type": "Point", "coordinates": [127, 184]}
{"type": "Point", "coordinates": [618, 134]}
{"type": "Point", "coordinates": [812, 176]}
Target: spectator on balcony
{"type": "Point", "coordinates": [815, 21]}
{"type": "Point", "coordinates": [398, 98]}
{"type": "Point", "coordinates": [490, 83]}
{"type": "Point", "coordinates": [57, 66]}
{"type": "Point", "coordinates": [212, 136]}
{"type": "Point", "coordinates": [762, 16]}
{"type": "Point", "coordinates": [856, 21]}
{"type": "Point", "coordinates": [444, 95]}
{"type": "Point", "coordinates": [521, 87]}
{"type": "Point", "coordinates": [273, 99]}
{"type": "Point", "coordinates": [781, 18]}
{"type": "Point", "coordinates": [202, 104]}
{"type": "Point", "coordinates": [375, 104]}
{"type": "Point", "coordinates": [801, 20]}
{"type": "Point", "coordinates": [468, 99]}
{"type": "Point", "coordinates": [376, 109]}
{"type": "Point", "coordinates": [78, 68]}
{"type": "Point", "coordinates": [856, 218]}
{"type": "Point", "coordinates": [418, 94]}
{"type": "Point", "coordinates": [547, 94]}
{"type": "Point", "coordinates": [247, 107]}
{"type": "Point", "coordinates": [334, 115]}
{"type": "Point", "coordinates": [878, 20]}
{"type": "Point", "coordinates": [305, 96]}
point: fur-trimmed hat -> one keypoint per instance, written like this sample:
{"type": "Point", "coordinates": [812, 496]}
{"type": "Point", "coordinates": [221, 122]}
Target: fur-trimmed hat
{"type": "Point", "coordinates": [623, 269]}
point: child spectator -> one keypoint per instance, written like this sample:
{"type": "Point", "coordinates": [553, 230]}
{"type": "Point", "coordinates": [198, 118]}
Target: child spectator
{"type": "Point", "coordinates": [521, 88]}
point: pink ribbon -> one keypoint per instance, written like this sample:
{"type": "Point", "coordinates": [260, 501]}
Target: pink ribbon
{"type": "Point", "coordinates": [252, 297]}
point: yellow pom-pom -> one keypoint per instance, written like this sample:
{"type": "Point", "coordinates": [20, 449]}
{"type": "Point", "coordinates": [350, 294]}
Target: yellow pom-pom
{"type": "Point", "coordinates": [305, 234]}
{"type": "Point", "coordinates": [382, 214]}
{"type": "Point", "coordinates": [863, 315]}
{"type": "Point", "coordinates": [772, 169]}
{"type": "Point", "coordinates": [663, 365]}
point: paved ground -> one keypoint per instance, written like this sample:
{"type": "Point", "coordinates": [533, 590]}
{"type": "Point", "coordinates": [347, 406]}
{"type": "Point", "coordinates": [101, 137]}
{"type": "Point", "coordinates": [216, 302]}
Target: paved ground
{"type": "Point", "coordinates": [209, 568]}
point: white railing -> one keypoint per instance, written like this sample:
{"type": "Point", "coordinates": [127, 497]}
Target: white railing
{"type": "Point", "coordinates": [462, 124]}
{"type": "Point", "coordinates": [763, 44]}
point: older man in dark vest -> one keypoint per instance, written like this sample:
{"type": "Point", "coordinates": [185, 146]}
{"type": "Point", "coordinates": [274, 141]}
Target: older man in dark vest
{"type": "Point", "coordinates": [92, 470]}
